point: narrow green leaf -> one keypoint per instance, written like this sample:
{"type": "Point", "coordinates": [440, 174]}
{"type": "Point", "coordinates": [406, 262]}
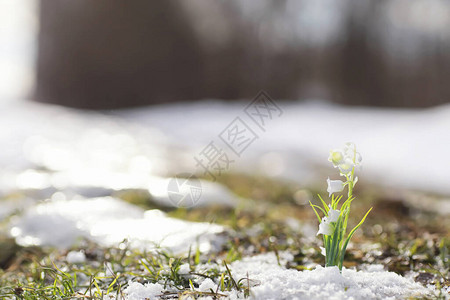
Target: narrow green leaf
{"type": "Point", "coordinates": [344, 248]}
{"type": "Point", "coordinates": [231, 277]}
{"type": "Point", "coordinates": [337, 201]}
{"type": "Point", "coordinates": [334, 244]}
{"type": "Point", "coordinates": [318, 217]}
{"type": "Point", "coordinates": [325, 206]}
{"type": "Point", "coordinates": [111, 286]}
{"type": "Point", "coordinates": [321, 209]}
{"type": "Point", "coordinates": [197, 256]}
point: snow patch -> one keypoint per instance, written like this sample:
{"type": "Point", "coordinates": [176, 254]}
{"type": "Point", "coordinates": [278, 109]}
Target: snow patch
{"type": "Point", "coordinates": [137, 291]}
{"type": "Point", "coordinates": [269, 280]}
{"type": "Point", "coordinates": [120, 151]}
{"type": "Point", "coordinates": [109, 221]}
{"type": "Point", "coordinates": [277, 282]}
{"type": "Point", "coordinates": [76, 257]}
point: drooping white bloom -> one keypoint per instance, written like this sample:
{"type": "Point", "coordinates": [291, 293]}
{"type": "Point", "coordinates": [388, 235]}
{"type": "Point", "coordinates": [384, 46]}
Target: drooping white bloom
{"type": "Point", "coordinates": [334, 186]}
{"type": "Point", "coordinates": [346, 158]}
{"type": "Point", "coordinates": [346, 167]}
{"type": "Point", "coordinates": [336, 157]}
{"type": "Point", "coordinates": [325, 227]}
{"type": "Point", "coordinates": [323, 251]}
{"type": "Point", "coordinates": [333, 215]}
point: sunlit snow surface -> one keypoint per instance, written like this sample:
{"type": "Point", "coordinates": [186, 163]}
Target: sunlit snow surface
{"type": "Point", "coordinates": [108, 222]}
{"type": "Point", "coordinates": [268, 280]}
{"type": "Point", "coordinates": [113, 149]}
{"type": "Point", "coordinates": [400, 147]}
{"type": "Point", "coordinates": [46, 149]}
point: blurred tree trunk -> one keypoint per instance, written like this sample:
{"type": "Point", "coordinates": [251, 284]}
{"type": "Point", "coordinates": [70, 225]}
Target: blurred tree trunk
{"type": "Point", "coordinates": [360, 66]}
{"type": "Point", "coordinates": [107, 54]}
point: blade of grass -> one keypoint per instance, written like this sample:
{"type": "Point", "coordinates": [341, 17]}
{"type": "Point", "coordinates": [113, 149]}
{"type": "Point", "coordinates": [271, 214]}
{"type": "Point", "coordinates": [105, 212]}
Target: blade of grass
{"type": "Point", "coordinates": [344, 248]}
{"type": "Point", "coordinates": [315, 211]}
{"type": "Point", "coordinates": [325, 206]}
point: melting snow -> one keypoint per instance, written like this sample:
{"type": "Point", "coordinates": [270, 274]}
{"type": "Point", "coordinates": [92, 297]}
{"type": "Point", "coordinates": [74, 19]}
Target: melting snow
{"type": "Point", "coordinates": [323, 283]}
{"type": "Point", "coordinates": [398, 145]}
{"type": "Point", "coordinates": [108, 221]}
{"type": "Point", "coordinates": [268, 281]}
{"type": "Point", "coordinates": [76, 257]}
{"type": "Point", "coordinates": [163, 140]}
{"type": "Point", "coordinates": [137, 291]}
{"type": "Point", "coordinates": [121, 149]}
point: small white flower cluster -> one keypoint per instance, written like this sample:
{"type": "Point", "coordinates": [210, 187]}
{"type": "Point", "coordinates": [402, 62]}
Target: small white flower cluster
{"type": "Point", "coordinates": [333, 222]}
{"type": "Point", "coordinates": [346, 160]}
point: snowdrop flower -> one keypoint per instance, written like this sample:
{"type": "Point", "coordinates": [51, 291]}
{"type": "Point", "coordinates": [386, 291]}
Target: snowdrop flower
{"type": "Point", "coordinates": [333, 215]}
{"type": "Point", "coordinates": [346, 167]}
{"type": "Point", "coordinates": [345, 159]}
{"type": "Point", "coordinates": [323, 251]}
{"type": "Point", "coordinates": [325, 227]}
{"type": "Point", "coordinates": [334, 186]}
{"type": "Point", "coordinates": [336, 157]}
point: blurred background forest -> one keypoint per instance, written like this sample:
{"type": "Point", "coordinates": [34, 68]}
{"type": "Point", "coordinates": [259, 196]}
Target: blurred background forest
{"type": "Point", "coordinates": [107, 54]}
